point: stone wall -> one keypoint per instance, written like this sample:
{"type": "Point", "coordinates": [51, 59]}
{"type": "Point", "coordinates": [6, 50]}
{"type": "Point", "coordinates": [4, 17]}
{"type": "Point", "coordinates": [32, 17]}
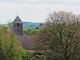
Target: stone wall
{"type": "Point", "coordinates": [18, 30]}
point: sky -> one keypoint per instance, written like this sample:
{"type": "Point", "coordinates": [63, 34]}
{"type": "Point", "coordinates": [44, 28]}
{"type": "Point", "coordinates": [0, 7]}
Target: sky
{"type": "Point", "coordinates": [34, 10]}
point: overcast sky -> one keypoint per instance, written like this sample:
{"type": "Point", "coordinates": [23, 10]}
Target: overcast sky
{"type": "Point", "coordinates": [34, 10]}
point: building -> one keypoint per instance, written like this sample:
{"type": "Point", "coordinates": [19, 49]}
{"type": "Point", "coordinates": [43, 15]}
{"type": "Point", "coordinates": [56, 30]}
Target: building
{"type": "Point", "coordinates": [17, 28]}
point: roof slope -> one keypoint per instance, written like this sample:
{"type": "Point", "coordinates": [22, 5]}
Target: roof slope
{"type": "Point", "coordinates": [11, 30]}
{"type": "Point", "coordinates": [17, 19]}
{"type": "Point", "coordinates": [27, 41]}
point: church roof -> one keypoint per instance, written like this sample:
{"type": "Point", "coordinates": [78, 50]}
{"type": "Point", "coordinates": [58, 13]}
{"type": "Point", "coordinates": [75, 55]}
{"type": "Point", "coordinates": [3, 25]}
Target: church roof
{"type": "Point", "coordinates": [27, 41]}
{"type": "Point", "coordinates": [17, 19]}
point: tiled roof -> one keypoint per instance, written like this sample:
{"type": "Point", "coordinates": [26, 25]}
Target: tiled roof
{"type": "Point", "coordinates": [27, 41]}
{"type": "Point", "coordinates": [11, 30]}
{"type": "Point", "coordinates": [17, 19]}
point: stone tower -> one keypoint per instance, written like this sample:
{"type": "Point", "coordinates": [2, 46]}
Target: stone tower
{"type": "Point", "coordinates": [18, 26]}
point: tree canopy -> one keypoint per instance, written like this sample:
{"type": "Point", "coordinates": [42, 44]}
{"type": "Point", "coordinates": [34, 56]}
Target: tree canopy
{"type": "Point", "coordinates": [10, 48]}
{"type": "Point", "coordinates": [60, 37]}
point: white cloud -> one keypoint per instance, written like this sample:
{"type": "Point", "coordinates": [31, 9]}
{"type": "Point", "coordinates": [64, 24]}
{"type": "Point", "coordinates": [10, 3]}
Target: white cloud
{"type": "Point", "coordinates": [33, 12]}
{"type": "Point", "coordinates": [30, 0]}
{"type": "Point", "coordinates": [71, 0]}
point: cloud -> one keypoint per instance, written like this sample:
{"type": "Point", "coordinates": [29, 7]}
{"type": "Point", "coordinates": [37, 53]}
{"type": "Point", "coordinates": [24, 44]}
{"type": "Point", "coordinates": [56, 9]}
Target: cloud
{"type": "Point", "coordinates": [30, 0]}
{"type": "Point", "coordinates": [34, 10]}
{"type": "Point", "coordinates": [56, 2]}
{"type": "Point", "coordinates": [71, 0]}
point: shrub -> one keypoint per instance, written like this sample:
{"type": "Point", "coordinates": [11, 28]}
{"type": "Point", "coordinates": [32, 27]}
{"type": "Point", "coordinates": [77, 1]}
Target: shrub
{"type": "Point", "coordinates": [27, 55]}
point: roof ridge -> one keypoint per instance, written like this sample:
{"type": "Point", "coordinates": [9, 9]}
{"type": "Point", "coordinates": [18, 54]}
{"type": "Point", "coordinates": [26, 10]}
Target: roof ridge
{"type": "Point", "coordinates": [17, 19]}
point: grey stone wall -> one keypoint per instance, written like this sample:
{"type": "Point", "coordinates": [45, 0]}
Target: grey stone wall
{"type": "Point", "coordinates": [18, 30]}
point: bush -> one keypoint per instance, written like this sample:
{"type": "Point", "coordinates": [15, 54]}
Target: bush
{"type": "Point", "coordinates": [27, 55]}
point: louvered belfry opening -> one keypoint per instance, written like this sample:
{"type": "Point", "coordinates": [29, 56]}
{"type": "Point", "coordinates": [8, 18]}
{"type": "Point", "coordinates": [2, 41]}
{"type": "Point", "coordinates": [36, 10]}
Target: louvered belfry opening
{"type": "Point", "coordinates": [18, 26]}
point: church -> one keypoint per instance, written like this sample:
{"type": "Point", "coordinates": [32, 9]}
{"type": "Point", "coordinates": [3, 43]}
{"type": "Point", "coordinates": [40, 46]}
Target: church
{"type": "Point", "coordinates": [17, 28]}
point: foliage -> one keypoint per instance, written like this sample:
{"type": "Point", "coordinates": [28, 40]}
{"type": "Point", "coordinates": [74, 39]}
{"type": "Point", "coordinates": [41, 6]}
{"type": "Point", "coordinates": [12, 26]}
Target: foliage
{"type": "Point", "coordinates": [42, 57]}
{"type": "Point", "coordinates": [41, 24]}
{"type": "Point", "coordinates": [27, 55]}
{"type": "Point", "coordinates": [42, 39]}
{"type": "Point", "coordinates": [30, 31]}
{"type": "Point", "coordinates": [60, 38]}
{"type": "Point", "coordinates": [10, 48]}
{"type": "Point", "coordinates": [36, 27]}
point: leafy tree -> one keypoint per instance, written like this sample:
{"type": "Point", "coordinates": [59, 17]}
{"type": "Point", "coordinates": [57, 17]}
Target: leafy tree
{"type": "Point", "coordinates": [10, 49]}
{"type": "Point", "coordinates": [27, 55]}
{"type": "Point", "coordinates": [41, 24]}
{"type": "Point", "coordinates": [36, 27]}
{"type": "Point", "coordinates": [60, 37]}
{"type": "Point", "coordinates": [30, 31]}
{"type": "Point", "coordinates": [26, 25]}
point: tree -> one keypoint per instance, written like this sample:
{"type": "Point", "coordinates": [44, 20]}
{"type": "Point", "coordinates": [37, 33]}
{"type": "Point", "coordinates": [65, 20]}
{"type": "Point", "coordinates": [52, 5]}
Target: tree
{"type": "Point", "coordinates": [41, 24]}
{"type": "Point", "coordinates": [27, 55]}
{"type": "Point", "coordinates": [61, 36]}
{"type": "Point", "coordinates": [10, 48]}
{"type": "Point", "coordinates": [30, 31]}
{"type": "Point", "coordinates": [26, 25]}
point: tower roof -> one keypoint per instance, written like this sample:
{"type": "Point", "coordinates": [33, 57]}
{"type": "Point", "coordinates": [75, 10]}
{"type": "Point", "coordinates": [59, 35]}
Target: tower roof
{"type": "Point", "coordinates": [17, 19]}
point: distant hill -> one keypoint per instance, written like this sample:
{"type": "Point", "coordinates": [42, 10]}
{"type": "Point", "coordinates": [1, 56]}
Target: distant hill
{"type": "Point", "coordinates": [3, 24]}
{"type": "Point", "coordinates": [28, 24]}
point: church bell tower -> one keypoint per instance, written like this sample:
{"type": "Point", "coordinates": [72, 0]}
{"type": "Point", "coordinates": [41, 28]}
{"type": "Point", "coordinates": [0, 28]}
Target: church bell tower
{"type": "Point", "coordinates": [18, 26]}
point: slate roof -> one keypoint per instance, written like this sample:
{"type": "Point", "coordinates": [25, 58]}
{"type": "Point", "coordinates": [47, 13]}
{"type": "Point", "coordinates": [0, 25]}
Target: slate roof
{"type": "Point", "coordinates": [17, 19]}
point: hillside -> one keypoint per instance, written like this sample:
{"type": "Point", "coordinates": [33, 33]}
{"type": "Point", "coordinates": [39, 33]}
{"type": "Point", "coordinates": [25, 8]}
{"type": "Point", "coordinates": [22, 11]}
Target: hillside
{"type": "Point", "coordinates": [28, 24]}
